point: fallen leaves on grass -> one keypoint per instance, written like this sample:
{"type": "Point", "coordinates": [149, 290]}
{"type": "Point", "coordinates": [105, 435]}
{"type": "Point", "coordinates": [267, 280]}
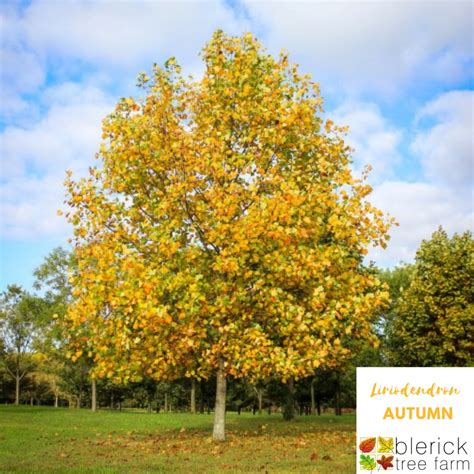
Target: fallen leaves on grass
{"type": "Point", "coordinates": [189, 447]}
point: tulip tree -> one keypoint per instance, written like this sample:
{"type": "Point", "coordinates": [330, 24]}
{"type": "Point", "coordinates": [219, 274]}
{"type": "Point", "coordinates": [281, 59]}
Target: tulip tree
{"type": "Point", "coordinates": [223, 232]}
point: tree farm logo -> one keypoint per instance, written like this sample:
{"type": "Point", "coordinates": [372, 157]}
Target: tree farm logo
{"type": "Point", "coordinates": [380, 454]}
{"type": "Point", "coordinates": [376, 452]}
{"type": "Point", "coordinates": [415, 420]}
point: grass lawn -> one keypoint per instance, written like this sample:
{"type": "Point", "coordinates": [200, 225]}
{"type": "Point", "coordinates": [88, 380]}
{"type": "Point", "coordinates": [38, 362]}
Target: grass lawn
{"type": "Point", "coordinates": [43, 439]}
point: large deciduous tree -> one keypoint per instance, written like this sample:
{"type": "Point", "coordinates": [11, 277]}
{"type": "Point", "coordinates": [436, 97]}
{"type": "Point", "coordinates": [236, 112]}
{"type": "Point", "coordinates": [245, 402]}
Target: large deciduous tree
{"type": "Point", "coordinates": [432, 321]}
{"type": "Point", "coordinates": [224, 233]}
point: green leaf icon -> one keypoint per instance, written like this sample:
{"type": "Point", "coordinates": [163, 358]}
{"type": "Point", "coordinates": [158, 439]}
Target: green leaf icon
{"type": "Point", "coordinates": [385, 445]}
{"type": "Point", "coordinates": [367, 462]}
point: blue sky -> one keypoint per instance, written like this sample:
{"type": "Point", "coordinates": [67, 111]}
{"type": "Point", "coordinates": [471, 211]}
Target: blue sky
{"type": "Point", "coordinates": [399, 73]}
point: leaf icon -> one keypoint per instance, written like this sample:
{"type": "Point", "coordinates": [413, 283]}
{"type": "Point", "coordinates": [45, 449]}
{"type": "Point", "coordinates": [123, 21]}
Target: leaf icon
{"type": "Point", "coordinates": [367, 445]}
{"type": "Point", "coordinates": [385, 462]}
{"type": "Point", "coordinates": [385, 445]}
{"type": "Point", "coordinates": [367, 462]}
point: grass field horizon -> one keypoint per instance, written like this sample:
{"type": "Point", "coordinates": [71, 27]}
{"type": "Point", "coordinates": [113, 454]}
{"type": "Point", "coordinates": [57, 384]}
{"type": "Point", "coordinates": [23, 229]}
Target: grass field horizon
{"type": "Point", "coordinates": [45, 439]}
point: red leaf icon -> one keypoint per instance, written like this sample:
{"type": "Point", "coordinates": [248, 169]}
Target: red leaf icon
{"type": "Point", "coordinates": [385, 462]}
{"type": "Point", "coordinates": [367, 445]}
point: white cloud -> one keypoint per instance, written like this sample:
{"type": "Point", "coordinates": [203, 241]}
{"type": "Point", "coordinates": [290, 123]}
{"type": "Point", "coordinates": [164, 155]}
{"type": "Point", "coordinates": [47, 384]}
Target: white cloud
{"type": "Point", "coordinates": [367, 45]}
{"type": "Point", "coordinates": [34, 159]}
{"type": "Point", "coordinates": [446, 148]}
{"type": "Point", "coordinates": [374, 140]}
{"type": "Point", "coordinates": [124, 33]}
{"type": "Point", "coordinates": [21, 70]}
{"type": "Point", "coordinates": [420, 209]}
{"type": "Point", "coordinates": [109, 40]}
{"type": "Point", "coordinates": [442, 145]}
{"type": "Point", "coordinates": [29, 205]}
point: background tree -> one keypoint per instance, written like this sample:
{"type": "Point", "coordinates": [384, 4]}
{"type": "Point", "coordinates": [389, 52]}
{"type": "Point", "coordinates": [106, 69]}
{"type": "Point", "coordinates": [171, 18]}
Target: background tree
{"type": "Point", "coordinates": [225, 233]}
{"type": "Point", "coordinates": [397, 279]}
{"type": "Point", "coordinates": [433, 318]}
{"type": "Point", "coordinates": [53, 277]}
{"type": "Point", "coordinates": [20, 320]}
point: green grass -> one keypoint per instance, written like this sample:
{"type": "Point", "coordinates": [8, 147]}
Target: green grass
{"type": "Point", "coordinates": [37, 439]}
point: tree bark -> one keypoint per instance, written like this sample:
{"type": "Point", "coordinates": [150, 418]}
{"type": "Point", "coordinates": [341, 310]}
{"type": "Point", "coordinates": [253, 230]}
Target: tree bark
{"type": "Point", "coordinates": [193, 396]}
{"type": "Point", "coordinates": [17, 390]}
{"type": "Point", "coordinates": [260, 400]}
{"type": "Point", "coordinates": [313, 400]}
{"type": "Point", "coordinates": [219, 412]}
{"type": "Point", "coordinates": [337, 398]}
{"type": "Point", "coordinates": [56, 401]}
{"type": "Point", "coordinates": [201, 397]}
{"type": "Point", "coordinates": [289, 406]}
{"type": "Point", "coordinates": [94, 395]}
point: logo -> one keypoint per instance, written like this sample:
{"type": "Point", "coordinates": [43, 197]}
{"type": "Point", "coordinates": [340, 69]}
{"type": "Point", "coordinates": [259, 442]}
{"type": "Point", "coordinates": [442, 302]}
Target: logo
{"type": "Point", "coordinates": [415, 420]}
{"type": "Point", "coordinates": [376, 453]}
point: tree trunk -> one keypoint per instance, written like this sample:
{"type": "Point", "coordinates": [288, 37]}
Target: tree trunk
{"type": "Point", "coordinates": [193, 396]}
{"type": "Point", "coordinates": [32, 401]}
{"type": "Point", "coordinates": [313, 400]}
{"type": "Point", "coordinates": [289, 406]}
{"type": "Point", "coordinates": [17, 390]}
{"type": "Point", "coordinates": [56, 401]}
{"type": "Point", "coordinates": [219, 412]}
{"type": "Point", "coordinates": [260, 400]}
{"type": "Point", "coordinates": [337, 398]}
{"type": "Point", "coordinates": [94, 395]}
{"type": "Point", "coordinates": [201, 397]}
{"type": "Point", "coordinates": [165, 409]}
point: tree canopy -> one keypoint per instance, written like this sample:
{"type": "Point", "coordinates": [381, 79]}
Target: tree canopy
{"type": "Point", "coordinates": [224, 231]}
{"type": "Point", "coordinates": [433, 319]}
{"type": "Point", "coordinates": [21, 317]}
